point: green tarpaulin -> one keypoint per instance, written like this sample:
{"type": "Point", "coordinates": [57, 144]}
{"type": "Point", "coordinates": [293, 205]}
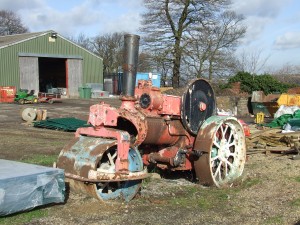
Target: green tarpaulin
{"type": "Point", "coordinates": [284, 119]}
{"type": "Point", "coordinates": [66, 124]}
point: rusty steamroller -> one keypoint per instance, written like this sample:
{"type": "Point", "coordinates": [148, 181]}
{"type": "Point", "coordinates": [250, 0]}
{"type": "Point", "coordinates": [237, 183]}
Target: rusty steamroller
{"type": "Point", "coordinates": [109, 159]}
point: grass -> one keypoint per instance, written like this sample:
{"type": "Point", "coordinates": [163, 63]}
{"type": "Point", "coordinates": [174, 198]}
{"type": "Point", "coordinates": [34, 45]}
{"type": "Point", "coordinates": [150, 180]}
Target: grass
{"type": "Point", "coordinates": [274, 220]}
{"type": "Point", "coordinates": [44, 160]}
{"type": "Point", "coordinates": [211, 198]}
{"type": "Point", "coordinates": [204, 199]}
{"type": "Point", "coordinates": [295, 203]}
{"type": "Point", "coordinates": [248, 183]}
{"type": "Point", "coordinates": [297, 179]}
{"type": "Point", "coordinates": [22, 218]}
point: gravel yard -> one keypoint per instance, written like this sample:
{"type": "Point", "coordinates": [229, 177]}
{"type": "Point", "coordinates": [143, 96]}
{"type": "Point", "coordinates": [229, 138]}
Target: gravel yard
{"type": "Point", "coordinates": [267, 193]}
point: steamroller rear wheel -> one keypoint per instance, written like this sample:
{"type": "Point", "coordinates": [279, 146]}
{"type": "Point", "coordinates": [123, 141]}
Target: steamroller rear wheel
{"type": "Point", "coordinates": [222, 142]}
{"type": "Point", "coordinates": [98, 154]}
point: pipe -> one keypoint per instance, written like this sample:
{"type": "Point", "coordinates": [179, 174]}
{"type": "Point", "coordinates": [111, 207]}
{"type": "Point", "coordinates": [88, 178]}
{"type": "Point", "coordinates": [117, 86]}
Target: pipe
{"type": "Point", "coordinates": [130, 57]}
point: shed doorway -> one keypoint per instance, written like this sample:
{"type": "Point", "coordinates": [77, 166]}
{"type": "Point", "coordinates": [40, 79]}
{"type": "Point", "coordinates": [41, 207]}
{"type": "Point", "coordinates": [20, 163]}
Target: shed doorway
{"type": "Point", "coordinates": [52, 73]}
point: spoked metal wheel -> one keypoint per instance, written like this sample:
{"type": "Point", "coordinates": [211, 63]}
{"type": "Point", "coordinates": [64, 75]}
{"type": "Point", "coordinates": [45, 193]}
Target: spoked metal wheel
{"type": "Point", "coordinates": [222, 141]}
{"type": "Point", "coordinates": [90, 154]}
{"type": "Point", "coordinates": [123, 189]}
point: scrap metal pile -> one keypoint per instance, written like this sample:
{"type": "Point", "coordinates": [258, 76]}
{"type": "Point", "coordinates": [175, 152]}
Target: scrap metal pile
{"type": "Point", "coordinates": [109, 159]}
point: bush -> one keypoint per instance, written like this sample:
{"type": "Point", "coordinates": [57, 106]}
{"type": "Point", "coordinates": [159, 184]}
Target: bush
{"type": "Point", "coordinates": [253, 82]}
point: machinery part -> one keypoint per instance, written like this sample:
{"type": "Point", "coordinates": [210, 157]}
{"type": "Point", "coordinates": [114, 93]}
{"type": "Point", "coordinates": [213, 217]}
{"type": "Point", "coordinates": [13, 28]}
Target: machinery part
{"type": "Point", "coordinates": [131, 53]}
{"type": "Point", "coordinates": [171, 161]}
{"type": "Point", "coordinates": [124, 189]}
{"type": "Point", "coordinates": [180, 157]}
{"type": "Point", "coordinates": [198, 104]}
{"type": "Point", "coordinates": [50, 101]}
{"type": "Point", "coordinates": [161, 133]}
{"type": "Point", "coordinates": [21, 101]}
{"type": "Point", "coordinates": [28, 114]}
{"type": "Point", "coordinates": [222, 140]}
{"type": "Point", "coordinates": [145, 100]}
{"type": "Point", "coordinates": [35, 100]}
{"type": "Point", "coordinates": [86, 158]}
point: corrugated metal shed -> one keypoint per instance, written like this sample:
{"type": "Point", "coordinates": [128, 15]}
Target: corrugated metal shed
{"type": "Point", "coordinates": [23, 55]}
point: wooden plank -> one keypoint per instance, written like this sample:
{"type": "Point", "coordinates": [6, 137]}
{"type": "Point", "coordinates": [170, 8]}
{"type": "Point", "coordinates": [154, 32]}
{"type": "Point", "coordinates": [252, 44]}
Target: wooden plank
{"type": "Point", "coordinates": [265, 132]}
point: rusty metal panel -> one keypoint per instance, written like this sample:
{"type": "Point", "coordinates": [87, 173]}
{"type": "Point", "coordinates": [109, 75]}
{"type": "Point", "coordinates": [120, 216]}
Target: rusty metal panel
{"type": "Point", "coordinates": [74, 75]}
{"type": "Point", "coordinates": [259, 96]}
{"type": "Point", "coordinates": [29, 73]}
{"type": "Point", "coordinates": [264, 103]}
{"type": "Point", "coordinates": [171, 105]}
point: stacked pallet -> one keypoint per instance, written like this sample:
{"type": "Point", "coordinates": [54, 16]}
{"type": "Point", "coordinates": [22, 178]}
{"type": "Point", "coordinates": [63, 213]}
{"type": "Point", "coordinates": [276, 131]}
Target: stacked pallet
{"type": "Point", "coordinates": [272, 140]}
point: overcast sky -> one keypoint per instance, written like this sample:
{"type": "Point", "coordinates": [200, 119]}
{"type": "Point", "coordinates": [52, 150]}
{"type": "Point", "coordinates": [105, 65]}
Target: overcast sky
{"type": "Point", "coordinates": [273, 25]}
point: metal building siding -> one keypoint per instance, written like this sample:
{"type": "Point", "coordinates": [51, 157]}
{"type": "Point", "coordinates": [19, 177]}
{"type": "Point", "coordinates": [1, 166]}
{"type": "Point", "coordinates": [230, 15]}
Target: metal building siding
{"type": "Point", "coordinates": [9, 65]}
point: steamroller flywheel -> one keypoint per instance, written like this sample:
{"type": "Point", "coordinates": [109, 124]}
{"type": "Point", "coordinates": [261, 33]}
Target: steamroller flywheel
{"type": "Point", "coordinates": [222, 142]}
{"type": "Point", "coordinates": [98, 154]}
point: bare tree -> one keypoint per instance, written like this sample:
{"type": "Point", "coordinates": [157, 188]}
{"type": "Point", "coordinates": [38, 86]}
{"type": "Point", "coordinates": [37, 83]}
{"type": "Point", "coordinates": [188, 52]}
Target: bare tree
{"type": "Point", "coordinates": [145, 62]}
{"type": "Point", "coordinates": [210, 46]}
{"type": "Point", "coordinates": [166, 23]}
{"type": "Point", "coordinates": [83, 41]}
{"type": "Point", "coordinates": [110, 47]}
{"type": "Point", "coordinates": [10, 23]}
{"type": "Point", "coordinates": [252, 61]}
{"type": "Point", "coordinates": [286, 69]}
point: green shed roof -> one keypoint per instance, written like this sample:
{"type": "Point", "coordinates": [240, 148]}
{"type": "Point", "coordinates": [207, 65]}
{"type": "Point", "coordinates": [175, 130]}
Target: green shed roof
{"type": "Point", "coordinates": [9, 40]}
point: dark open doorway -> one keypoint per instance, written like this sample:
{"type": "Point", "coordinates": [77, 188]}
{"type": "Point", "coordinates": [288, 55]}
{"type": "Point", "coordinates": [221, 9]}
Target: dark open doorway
{"type": "Point", "coordinates": [52, 73]}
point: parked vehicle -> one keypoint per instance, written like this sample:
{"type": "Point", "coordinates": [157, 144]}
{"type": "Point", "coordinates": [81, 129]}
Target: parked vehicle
{"type": "Point", "coordinates": [48, 97]}
{"type": "Point", "coordinates": [108, 160]}
{"type": "Point", "coordinates": [23, 97]}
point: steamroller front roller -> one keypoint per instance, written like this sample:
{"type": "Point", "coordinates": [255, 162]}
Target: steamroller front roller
{"type": "Point", "coordinates": [222, 143]}
{"type": "Point", "coordinates": [89, 164]}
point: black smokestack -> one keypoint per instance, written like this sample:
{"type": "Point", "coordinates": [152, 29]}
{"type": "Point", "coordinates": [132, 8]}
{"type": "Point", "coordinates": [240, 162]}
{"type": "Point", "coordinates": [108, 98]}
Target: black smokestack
{"type": "Point", "coordinates": [131, 54]}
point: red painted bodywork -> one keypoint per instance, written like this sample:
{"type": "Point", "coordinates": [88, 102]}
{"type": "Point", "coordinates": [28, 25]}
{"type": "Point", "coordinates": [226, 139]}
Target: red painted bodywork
{"type": "Point", "coordinates": [7, 94]}
{"type": "Point", "coordinates": [156, 130]}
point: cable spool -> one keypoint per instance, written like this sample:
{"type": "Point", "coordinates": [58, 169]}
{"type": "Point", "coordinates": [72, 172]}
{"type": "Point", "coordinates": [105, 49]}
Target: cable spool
{"type": "Point", "coordinates": [29, 114]}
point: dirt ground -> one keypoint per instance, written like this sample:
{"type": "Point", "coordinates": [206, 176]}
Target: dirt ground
{"type": "Point", "coordinates": [267, 193]}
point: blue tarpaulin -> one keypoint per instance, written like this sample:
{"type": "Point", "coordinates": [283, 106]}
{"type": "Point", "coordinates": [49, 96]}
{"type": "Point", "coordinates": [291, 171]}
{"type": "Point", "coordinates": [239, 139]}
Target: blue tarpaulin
{"type": "Point", "coordinates": [25, 186]}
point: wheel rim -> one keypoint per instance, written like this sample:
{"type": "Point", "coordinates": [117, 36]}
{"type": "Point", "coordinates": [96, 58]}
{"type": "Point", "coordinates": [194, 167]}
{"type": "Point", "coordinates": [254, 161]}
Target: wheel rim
{"type": "Point", "coordinates": [225, 158]}
{"type": "Point", "coordinates": [126, 189]}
